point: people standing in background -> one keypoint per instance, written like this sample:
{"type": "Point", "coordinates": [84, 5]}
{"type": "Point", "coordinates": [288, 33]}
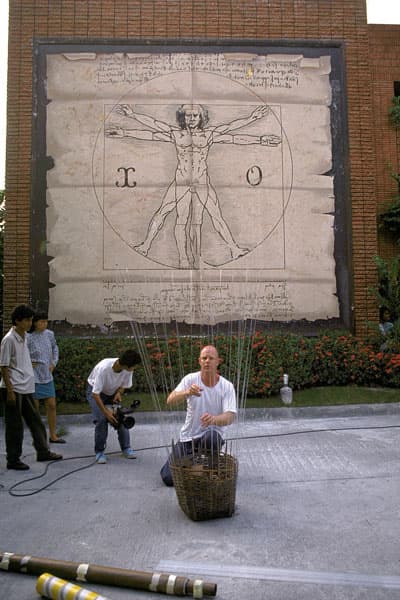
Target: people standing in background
{"type": "Point", "coordinates": [386, 327]}
{"type": "Point", "coordinates": [385, 320]}
{"type": "Point", "coordinates": [17, 387]}
{"type": "Point", "coordinates": [44, 355]}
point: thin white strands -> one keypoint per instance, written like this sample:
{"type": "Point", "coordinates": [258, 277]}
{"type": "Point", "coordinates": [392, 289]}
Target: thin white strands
{"type": "Point", "coordinates": [177, 358]}
{"type": "Point", "coordinates": [169, 365]}
{"type": "Point", "coordinates": [140, 339]}
{"type": "Point", "coordinates": [245, 341]}
{"type": "Point", "coordinates": [144, 354]}
{"type": "Point", "coordinates": [245, 360]}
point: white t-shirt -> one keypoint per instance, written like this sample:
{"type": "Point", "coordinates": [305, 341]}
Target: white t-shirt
{"type": "Point", "coordinates": [104, 379]}
{"type": "Point", "coordinates": [14, 354]}
{"type": "Point", "coordinates": [215, 400]}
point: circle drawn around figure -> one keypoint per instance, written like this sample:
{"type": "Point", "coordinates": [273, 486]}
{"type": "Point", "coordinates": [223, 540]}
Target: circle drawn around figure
{"type": "Point", "coordinates": [191, 203]}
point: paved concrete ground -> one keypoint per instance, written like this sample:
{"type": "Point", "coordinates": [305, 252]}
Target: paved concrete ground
{"type": "Point", "coordinates": [317, 511]}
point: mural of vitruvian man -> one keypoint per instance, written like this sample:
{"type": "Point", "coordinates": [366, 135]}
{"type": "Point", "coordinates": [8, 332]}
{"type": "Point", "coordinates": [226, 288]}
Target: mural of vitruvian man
{"type": "Point", "coordinates": [191, 191]}
{"type": "Point", "coordinates": [192, 187]}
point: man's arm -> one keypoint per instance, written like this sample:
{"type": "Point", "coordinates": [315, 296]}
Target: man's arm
{"type": "Point", "coordinates": [106, 411]}
{"type": "Point", "coordinates": [146, 120]}
{"type": "Point", "coordinates": [138, 134]}
{"type": "Point", "coordinates": [244, 139]}
{"type": "Point", "coordinates": [177, 397]}
{"type": "Point", "coordinates": [258, 113]}
{"type": "Point", "coordinates": [118, 395]}
{"type": "Point", "coordinates": [5, 360]}
{"type": "Point", "coordinates": [225, 418]}
{"type": "Point", "coordinates": [229, 408]}
{"type": "Point", "coordinates": [10, 390]}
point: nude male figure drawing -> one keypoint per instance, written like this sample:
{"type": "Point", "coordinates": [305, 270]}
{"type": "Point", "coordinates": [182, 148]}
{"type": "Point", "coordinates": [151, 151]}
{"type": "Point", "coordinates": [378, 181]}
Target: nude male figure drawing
{"type": "Point", "coordinates": [191, 191]}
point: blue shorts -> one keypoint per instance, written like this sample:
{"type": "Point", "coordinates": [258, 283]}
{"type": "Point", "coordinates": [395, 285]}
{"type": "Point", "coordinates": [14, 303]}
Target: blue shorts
{"type": "Point", "coordinates": [44, 390]}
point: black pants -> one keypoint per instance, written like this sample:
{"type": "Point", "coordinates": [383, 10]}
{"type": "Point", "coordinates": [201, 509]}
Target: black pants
{"type": "Point", "coordinates": [210, 441]}
{"type": "Point", "coordinates": [14, 414]}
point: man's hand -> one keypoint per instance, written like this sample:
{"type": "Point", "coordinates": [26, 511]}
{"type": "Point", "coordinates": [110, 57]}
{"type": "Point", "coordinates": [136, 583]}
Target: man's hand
{"type": "Point", "coordinates": [207, 420]}
{"type": "Point", "coordinates": [260, 112]}
{"type": "Point", "coordinates": [11, 399]}
{"type": "Point", "coordinates": [117, 398]}
{"type": "Point", "coordinates": [270, 140]}
{"type": "Point", "coordinates": [115, 132]}
{"type": "Point", "coordinates": [124, 109]}
{"type": "Point", "coordinates": [194, 390]}
{"type": "Point", "coordinates": [110, 417]}
{"type": "Point", "coordinates": [221, 420]}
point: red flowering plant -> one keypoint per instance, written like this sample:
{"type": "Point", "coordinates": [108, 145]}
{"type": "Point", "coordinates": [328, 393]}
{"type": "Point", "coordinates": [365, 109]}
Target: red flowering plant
{"type": "Point", "coordinates": [390, 369]}
{"type": "Point", "coordinates": [343, 359]}
{"type": "Point", "coordinates": [254, 363]}
{"type": "Point", "coordinates": [274, 355]}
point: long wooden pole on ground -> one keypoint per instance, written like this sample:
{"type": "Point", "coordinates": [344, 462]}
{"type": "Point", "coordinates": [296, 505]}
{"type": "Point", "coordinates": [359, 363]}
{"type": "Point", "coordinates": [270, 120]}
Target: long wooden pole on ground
{"type": "Point", "coordinates": [140, 580]}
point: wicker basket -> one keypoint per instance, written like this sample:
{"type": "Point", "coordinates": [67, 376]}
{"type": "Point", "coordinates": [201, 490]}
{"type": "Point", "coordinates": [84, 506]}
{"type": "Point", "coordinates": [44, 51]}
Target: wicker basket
{"type": "Point", "coordinates": [205, 485]}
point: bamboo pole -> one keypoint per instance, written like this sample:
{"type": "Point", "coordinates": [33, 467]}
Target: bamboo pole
{"type": "Point", "coordinates": [55, 588]}
{"type": "Point", "coordinates": [163, 583]}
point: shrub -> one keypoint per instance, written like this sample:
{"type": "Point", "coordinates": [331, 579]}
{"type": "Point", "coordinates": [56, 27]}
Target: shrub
{"type": "Point", "coordinates": [394, 111]}
{"type": "Point", "coordinates": [255, 364]}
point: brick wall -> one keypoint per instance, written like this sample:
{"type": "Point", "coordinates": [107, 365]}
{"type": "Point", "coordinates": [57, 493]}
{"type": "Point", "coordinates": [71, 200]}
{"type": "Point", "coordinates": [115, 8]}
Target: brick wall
{"type": "Point", "coordinates": [385, 70]}
{"type": "Point", "coordinates": [337, 20]}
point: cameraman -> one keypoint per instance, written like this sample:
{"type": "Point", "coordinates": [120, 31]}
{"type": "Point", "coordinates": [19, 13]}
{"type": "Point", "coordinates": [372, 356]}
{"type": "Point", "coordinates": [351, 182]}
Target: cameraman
{"type": "Point", "coordinates": [106, 384]}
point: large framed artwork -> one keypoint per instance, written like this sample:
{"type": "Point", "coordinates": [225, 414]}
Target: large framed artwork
{"type": "Point", "coordinates": [190, 183]}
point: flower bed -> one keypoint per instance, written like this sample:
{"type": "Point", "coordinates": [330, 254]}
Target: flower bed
{"type": "Point", "coordinates": [254, 364]}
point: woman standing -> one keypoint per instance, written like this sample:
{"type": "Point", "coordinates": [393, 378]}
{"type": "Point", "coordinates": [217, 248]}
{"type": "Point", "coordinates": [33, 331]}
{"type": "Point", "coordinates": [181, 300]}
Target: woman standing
{"type": "Point", "coordinates": [44, 355]}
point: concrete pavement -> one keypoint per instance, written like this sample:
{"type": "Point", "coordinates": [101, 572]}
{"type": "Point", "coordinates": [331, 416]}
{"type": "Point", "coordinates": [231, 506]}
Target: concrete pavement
{"type": "Point", "coordinates": [317, 513]}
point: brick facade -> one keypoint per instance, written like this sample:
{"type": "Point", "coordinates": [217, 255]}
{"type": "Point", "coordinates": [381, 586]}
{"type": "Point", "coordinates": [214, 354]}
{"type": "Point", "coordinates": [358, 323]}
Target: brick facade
{"type": "Point", "coordinates": [367, 48]}
{"type": "Point", "coordinates": [385, 70]}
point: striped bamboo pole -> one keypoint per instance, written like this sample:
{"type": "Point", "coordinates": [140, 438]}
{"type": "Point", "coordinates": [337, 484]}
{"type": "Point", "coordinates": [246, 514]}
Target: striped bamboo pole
{"type": "Point", "coordinates": [163, 583]}
{"type": "Point", "coordinates": [55, 588]}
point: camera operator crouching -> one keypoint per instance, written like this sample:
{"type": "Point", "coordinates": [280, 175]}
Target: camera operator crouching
{"type": "Point", "coordinates": [105, 386]}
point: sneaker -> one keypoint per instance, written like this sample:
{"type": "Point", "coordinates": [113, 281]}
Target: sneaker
{"type": "Point", "coordinates": [48, 456]}
{"type": "Point", "coordinates": [129, 453]}
{"type": "Point", "coordinates": [101, 458]}
{"type": "Point", "coordinates": [18, 465]}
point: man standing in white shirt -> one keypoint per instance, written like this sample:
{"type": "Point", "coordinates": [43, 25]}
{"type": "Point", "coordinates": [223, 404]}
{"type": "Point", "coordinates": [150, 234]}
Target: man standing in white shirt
{"type": "Point", "coordinates": [17, 387]}
{"type": "Point", "coordinates": [210, 405]}
{"type": "Point", "coordinates": [105, 386]}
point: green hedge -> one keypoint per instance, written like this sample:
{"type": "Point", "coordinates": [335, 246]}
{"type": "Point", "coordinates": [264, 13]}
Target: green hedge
{"type": "Point", "coordinates": [254, 364]}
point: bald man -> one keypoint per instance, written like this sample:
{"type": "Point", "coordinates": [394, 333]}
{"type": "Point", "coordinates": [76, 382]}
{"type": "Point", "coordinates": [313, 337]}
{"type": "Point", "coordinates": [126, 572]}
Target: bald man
{"type": "Point", "coordinates": [210, 405]}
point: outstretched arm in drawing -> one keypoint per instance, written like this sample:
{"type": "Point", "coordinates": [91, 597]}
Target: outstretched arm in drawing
{"type": "Point", "coordinates": [146, 120]}
{"type": "Point", "coordinates": [264, 140]}
{"type": "Point", "coordinates": [138, 134]}
{"type": "Point", "coordinates": [259, 113]}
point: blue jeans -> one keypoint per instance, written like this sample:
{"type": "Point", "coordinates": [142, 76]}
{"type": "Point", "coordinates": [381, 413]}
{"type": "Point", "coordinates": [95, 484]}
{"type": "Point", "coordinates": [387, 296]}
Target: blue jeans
{"type": "Point", "coordinates": [211, 441]}
{"type": "Point", "coordinates": [101, 424]}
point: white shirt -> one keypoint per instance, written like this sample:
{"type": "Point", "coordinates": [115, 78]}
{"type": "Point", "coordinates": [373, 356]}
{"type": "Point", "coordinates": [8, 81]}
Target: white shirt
{"type": "Point", "coordinates": [215, 400]}
{"type": "Point", "coordinates": [104, 379]}
{"type": "Point", "coordinates": [14, 354]}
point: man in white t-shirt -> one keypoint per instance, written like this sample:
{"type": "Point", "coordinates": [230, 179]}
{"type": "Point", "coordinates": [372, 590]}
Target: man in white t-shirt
{"type": "Point", "coordinates": [105, 386]}
{"type": "Point", "coordinates": [210, 407]}
{"type": "Point", "coordinates": [16, 389]}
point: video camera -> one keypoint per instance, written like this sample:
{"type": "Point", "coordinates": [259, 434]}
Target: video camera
{"type": "Point", "coordinates": [123, 415]}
